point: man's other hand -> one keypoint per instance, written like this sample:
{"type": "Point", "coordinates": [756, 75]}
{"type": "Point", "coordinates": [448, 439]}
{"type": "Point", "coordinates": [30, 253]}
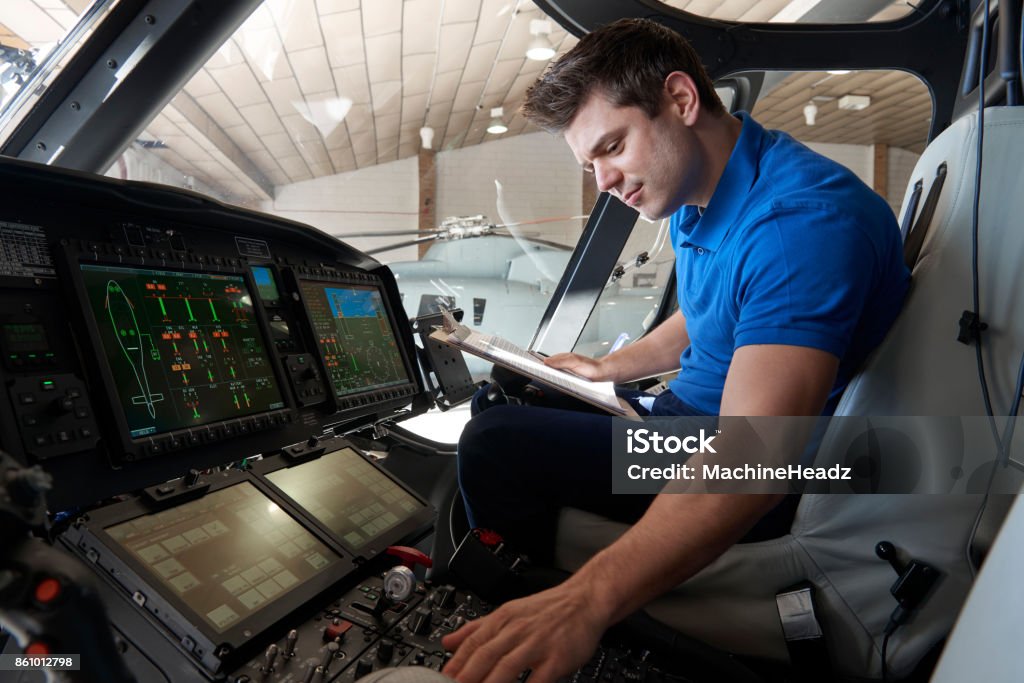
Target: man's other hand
{"type": "Point", "coordinates": [552, 633]}
{"type": "Point", "coordinates": [578, 365]}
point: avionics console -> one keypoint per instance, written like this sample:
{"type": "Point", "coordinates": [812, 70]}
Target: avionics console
{"type": "Point", "coordinates": [148, 331]}
{"type": "Point", "coordinates": [220, 570]}
{"type": "Point", "coordinates": [182, 352]}
{"type": "Point", "coordinates": [355, 339]}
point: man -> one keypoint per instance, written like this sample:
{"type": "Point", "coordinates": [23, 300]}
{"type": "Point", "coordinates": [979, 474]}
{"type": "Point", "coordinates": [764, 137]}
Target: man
{"type": "Point", "coordinates": [789, 272]}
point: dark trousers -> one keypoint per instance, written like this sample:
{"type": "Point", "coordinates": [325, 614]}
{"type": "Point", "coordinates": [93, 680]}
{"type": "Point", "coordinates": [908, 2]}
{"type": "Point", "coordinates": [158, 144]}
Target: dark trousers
{"type": "Point", "coordinates": [519, 465]}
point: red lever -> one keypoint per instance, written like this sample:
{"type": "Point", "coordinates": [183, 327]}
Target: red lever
{"type": "Point", "coordinates": [410, 557]}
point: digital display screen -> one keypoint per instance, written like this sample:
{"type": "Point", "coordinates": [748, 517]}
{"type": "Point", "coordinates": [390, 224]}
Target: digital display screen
{"type": "Point", "coordinates": [184, 348]}
{"type": "Point", "coordinates": [25, 337]}
{"type": "Point", "coordinates": [227, 555]}
{"type": "Point", "coordinates": [265, 283]}
{"type": "Point", "coordinates": [347, 495]}
{"type": "Point", "coordinates": [358, 344]}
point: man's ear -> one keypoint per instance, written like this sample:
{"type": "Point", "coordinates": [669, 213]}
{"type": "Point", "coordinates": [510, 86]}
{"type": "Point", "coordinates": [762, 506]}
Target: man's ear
{"type": "Point", "coordinates": [681, 95]}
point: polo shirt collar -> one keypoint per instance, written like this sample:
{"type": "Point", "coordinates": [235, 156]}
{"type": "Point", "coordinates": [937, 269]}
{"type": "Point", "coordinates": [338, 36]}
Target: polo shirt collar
{"type": "Point", "coordinates": [708, 229]}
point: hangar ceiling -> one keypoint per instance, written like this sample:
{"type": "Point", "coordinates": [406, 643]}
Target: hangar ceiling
{"type": "Point", "coordinates": [309, 88]}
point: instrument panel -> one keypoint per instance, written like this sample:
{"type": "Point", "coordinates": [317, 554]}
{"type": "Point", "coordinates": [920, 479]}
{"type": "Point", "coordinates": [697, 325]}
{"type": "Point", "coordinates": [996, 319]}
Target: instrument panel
{"type": "Point", "coordinates": [146, 331]}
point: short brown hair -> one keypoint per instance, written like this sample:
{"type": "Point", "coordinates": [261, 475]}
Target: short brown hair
{"type": "Point", "coordinates": [627, 61]}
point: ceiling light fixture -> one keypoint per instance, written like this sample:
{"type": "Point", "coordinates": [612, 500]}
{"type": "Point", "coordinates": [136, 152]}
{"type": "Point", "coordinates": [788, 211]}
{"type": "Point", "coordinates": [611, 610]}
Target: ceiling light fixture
{"type": "Point", "coordinates": [854, 102]}
{"type": "Point", "coordinates": [427, 137]}
{"type": "Point", "coordinates": [810, 113]}
{"type": "Point", "coordinates": [497, 126]}
{"type": "Point", "coordinates": [540, 47]}
{"type": "Point", "coordinates": [839, 72]}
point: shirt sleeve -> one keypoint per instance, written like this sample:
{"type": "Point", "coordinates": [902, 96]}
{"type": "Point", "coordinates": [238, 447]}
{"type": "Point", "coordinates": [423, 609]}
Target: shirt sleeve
{"type": "Point", "coordinates": [804, 279]}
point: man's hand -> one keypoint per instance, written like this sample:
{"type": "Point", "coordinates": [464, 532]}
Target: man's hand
{"type": "Point", "coordinates": [552, 633]}
{"type": "Point", "coordinates": [578, 365]}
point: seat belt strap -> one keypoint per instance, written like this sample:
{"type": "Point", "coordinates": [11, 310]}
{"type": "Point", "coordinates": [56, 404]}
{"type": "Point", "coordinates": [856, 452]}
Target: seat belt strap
{"type": "Point", "coordinates": [915, 240]}
{"type": "Point", "coordinates": [805, 639]}
{"type": "Point", "coordinates": [908, 215]}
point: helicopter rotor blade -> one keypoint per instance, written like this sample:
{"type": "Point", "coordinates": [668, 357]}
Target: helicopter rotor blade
{"type": "Point", "coordinates": [399, 245]}
{"type": "Point", "coordinates": [390, 233]}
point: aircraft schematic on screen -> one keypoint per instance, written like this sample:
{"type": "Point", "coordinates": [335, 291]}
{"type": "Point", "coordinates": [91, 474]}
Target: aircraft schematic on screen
{"type": "Point", "coordinates": [126, 331]}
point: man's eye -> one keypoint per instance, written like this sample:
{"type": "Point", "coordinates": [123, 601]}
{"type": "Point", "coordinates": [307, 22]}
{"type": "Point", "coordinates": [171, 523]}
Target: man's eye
{"type": "Point", "coordinates": [613, 148]}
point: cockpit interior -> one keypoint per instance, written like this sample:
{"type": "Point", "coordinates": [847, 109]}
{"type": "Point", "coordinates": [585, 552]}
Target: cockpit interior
{"type": "Point", "coordinates": [228, 440]}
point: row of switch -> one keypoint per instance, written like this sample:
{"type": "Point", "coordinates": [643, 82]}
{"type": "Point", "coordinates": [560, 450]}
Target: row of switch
{"type": "Point", "coordinates": [376, 397]}
{"type": "Point", "coordinates": [214, 433]}
{"type": "Point", "coordinates": [337, 275]}
{"type": "Point", "coordinates": [163, 255]}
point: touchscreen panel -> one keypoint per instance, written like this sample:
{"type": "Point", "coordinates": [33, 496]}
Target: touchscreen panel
{"type": "Point", "coordinates": [347, 495]}
{"type": "Point", "coordinates": [355, 336]}
{"type": "Point", "coordinates": [227, 555]}
{"type": "Point", "coordinates": [184, 348]}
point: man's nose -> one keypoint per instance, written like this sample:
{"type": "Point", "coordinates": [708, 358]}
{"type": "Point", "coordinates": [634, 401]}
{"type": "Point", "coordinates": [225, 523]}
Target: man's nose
{"type": "Point", "coordinates": [607, 177]}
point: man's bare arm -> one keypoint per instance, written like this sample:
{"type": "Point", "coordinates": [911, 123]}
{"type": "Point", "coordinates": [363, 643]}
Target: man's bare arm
{"type": "Point", "coordinates": [655, 353]}
{"type": "Point", "coordinates": [555, 631]}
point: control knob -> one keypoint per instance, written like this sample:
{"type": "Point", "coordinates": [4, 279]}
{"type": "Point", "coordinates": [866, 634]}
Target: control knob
{"type": "Point", "coordinates": [386, 650]}
{"type": "Point", "coordinates": [363, 667]}
{"type": "Point", "coordinates": [399, 584]}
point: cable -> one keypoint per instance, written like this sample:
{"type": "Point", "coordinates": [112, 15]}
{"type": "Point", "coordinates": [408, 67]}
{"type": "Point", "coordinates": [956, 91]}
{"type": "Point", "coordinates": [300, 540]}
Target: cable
{"type": "Point", "coordinates": [976, 298]}
{"type": "Point", "coordinates": [885, 648]}
{"type": "Point", "coordinates": [418, 443]}
{"type": "Point", "coordinates": [983, 68]}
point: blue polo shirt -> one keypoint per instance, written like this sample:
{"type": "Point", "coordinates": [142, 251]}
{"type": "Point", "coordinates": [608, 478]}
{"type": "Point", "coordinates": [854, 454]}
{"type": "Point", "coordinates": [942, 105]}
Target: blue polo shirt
{"type": "Point", "coordinates": [792, 249]}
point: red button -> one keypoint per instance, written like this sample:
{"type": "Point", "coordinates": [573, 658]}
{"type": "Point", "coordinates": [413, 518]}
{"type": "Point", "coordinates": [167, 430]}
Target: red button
{"type": "Point", "coordinates": [37, 648]}
{"type": "Point", "coordinates": [47, 590]}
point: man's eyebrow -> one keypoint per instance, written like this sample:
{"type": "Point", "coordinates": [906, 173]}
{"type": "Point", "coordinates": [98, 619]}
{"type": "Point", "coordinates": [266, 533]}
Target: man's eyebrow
{"type": "Point", "coordinates": [602, 141]}
{"type": "Point", "coordinates": [596, 148]}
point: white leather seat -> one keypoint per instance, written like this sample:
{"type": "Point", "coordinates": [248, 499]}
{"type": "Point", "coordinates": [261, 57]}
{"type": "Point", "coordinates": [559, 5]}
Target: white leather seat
{"type": "Point", "coordinates": [920, 369]}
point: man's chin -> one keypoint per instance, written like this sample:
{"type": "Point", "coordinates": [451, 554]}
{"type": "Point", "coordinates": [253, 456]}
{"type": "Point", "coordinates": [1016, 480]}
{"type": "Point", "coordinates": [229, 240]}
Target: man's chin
{"type": "Point", "coordinates": [651, 215]}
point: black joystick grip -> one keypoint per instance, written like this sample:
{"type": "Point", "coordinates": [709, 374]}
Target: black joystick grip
{"type": "Point", "coordinates": [887, 551]}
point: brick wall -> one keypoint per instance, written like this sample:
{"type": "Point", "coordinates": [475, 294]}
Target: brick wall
{"type": "Point", "coordinates": [376, 198]}
{"type": "Point", "coordinates": [538, 176]}
{"type": "Point", "coordinates": [857, 158]}
{"type": "Point", "coordinates": [538, 179]}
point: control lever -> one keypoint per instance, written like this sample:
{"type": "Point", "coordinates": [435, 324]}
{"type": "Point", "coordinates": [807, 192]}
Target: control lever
{"type": "Point", "coordinates": [914, 582]}
{"type": "Point", "coordinates": [410, 557]}
{"type": "Point", "coordinates": [329, 652]}
{"type": "Point", "coordinates": [290, 642]}
{"type": "Point", "coordinates": [268, 662]}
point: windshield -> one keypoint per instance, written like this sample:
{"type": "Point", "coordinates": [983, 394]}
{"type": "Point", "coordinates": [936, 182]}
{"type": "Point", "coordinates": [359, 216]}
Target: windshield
{"type": "Point", "coordinates": [791, 11]}
{"type": "Point", "coordinates": [393, 125]}
{"type": "Point", "coordinates": [37, 37]}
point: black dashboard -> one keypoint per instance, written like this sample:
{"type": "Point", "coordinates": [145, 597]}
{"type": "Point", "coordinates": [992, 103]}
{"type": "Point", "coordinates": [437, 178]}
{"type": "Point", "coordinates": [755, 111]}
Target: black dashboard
{"type": "Point", "coordinates": [147, 331]}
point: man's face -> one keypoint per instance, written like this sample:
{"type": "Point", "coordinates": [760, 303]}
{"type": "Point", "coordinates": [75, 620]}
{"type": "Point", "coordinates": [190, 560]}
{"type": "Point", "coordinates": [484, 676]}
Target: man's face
{"type": "Point", "coordinates": [649, 164]}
